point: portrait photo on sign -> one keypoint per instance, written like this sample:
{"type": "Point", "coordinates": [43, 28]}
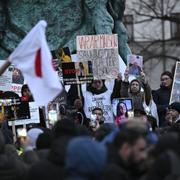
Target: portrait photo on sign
{"type": "Point", "coordinates": [135, 64]}
{"type": "Point", "coordinates": [122, 109]}
{"type": "Point", "coordinates": [17, 77]}
{"type": "Point", "coordinates": [175, 92]}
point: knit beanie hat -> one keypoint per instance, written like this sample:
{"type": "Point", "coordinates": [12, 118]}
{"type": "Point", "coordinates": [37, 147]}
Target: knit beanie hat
{"type": "Point", "coordinates": [175, 105]}
{"type": "Point", "coordinates": [85, 156]}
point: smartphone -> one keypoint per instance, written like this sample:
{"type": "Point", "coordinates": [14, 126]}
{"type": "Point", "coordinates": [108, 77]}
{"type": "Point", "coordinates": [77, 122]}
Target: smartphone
{"type": "Point", "coordinates": [53, 111]}
{"type": "Point", "coordinates": [21, 132]}
{"type": "Point", "coordinates": [52, 116]}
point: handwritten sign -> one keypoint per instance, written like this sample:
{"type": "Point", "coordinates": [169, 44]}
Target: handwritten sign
{"type": "Point", "coordinates": [102, 50]}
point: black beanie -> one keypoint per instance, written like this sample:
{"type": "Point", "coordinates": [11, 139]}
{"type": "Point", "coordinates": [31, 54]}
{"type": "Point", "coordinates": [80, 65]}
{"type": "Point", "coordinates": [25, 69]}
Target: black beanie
{"type": "Point", "coordinates": [175, 106]}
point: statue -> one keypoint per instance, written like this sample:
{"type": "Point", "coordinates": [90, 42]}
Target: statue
{"type": "Point", "coordinates": [66, 20]}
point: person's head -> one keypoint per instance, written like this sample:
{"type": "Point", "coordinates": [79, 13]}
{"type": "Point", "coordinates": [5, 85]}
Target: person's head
{"type": "Point", "coordinates": [174, 110]}
{"type": "Point", "coordinates": [99, 114]}
{"type": "Point", "coordinates": [166, 79]}
{"type": "Point", "coordinates": [85, 157]}
{"type": "Point", "coordinates": [25, 91]}
{"type": "Point", "coordinates": [97, 84]}
{"type": "Point", "coordinates": [64, 127]}
{"type": "Point", "coordinates": [121, 109]}
{"type": "Point", "coordinates": [131, 143]}
{"type": "Point", "coordinates": [141, 115]}
{"type": "Point", "coordinates": [135, 86]}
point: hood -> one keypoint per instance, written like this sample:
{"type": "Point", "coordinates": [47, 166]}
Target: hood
{"type": "Point", "coordinates": [95, 91]}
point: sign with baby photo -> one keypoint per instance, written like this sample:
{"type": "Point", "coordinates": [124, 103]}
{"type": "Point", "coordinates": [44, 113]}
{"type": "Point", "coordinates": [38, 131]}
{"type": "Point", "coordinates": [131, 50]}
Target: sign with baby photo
{"type": "Point", "coordinates": [135, 64]}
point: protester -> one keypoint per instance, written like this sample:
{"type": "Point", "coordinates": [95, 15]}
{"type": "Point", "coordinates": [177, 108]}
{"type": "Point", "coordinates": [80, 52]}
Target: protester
{"type": "Point", "coordinates": [134, 90]}
{"type": "Point", "coordinates": [161, 96]}
{"type": "Point", "coordinates": [85, 159]}
{"type": "Point", "coordinates": [128, 150]}
{"type": "Point", "coordinates": [26, 94]}
{"type": "Point", "coordinates": [97, 119]}
{"type": "Point", "coordinates": [173, 114]}
{"type": "Point", "coordinates": [96, 94]}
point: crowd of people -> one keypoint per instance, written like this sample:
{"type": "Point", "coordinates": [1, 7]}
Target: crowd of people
{"type": "Point", "coordinates": [89, 141]}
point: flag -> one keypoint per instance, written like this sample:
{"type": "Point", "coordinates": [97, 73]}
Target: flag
{"type": "Point", "coordinates": [32, 56]}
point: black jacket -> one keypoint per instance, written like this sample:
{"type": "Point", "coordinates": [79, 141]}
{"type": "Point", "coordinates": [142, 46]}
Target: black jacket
{"type": "Point", "coordinates": [161, 98]}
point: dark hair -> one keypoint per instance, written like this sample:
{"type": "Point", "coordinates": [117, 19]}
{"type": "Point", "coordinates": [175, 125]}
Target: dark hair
{"type": "Point", "coordinates": [129, 133]}
{"type": "Point", "coordinates": [167, 73]}
{"type": "Point", "coordinates": [119, 113]}
{"type": "Point", "coordinates": [25, 86]}
{"type": "Point", "coordinates": [97, 108]}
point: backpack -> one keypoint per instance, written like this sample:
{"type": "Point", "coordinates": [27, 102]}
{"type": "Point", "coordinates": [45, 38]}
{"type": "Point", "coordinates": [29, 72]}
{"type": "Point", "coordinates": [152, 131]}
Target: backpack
{"type": "Point", "coordinates": [175, 166]}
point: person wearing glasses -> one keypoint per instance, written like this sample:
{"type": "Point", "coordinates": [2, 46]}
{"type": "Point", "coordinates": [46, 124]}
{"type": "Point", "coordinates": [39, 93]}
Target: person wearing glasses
{"type": "Point", "coordinates": [162, 95]}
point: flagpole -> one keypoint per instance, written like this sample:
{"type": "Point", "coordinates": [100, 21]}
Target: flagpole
{"type": "Point", "coordinates": [3, 68]}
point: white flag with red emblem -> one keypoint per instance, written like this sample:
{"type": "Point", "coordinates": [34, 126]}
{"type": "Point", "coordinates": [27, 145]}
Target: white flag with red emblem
{"type": "Point", "coordinates": [32, 56]}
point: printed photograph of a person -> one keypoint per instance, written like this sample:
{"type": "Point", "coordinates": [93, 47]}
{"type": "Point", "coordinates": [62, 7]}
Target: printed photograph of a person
{"type": "Point", "coordinates": [17, 76]}
{"type": "Point", "coordinates": [122, 113]}
{"type": "Point", "coordinates": [135, 64]}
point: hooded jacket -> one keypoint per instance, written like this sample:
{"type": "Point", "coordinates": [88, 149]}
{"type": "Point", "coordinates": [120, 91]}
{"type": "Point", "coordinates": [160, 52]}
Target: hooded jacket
{"type": "Point", "coordinates": [138, 97]}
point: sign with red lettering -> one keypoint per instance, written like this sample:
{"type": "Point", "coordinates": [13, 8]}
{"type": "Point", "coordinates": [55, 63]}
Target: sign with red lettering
{"type": "Point", "coordinates": [77, 72]}
{"type": "Point", "coordinates": [102, 50]}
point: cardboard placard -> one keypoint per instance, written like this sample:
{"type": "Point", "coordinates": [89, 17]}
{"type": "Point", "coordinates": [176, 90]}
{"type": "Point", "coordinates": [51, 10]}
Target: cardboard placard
{"type": "Point", "coordinates": [102, 50]}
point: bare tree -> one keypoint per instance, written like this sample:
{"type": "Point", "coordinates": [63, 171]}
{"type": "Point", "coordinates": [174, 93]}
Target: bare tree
{"type": "Point", "coordinates": [156, 24]}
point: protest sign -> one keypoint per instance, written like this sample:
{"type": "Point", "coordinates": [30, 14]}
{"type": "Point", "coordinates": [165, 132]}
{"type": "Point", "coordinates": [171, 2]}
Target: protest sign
{"type": "Point", "coordinates": [13, 108]}
{"type": "Point", "coordinates": [120, 105]}
{"type": "Point", "coordinates": [102, 50]}
{"type": "Point", "coordinates": [175, 92]}
{"type": "Point", "coordinates": [60, 55]}
{"type": "Point", "coordinates": [33, 117]}
{"type": "Point", "coordinates": [17, 79]}
{"type": "Point", "coordinates": [5, 79]}
{"type": "Point", "coordinates": [77, 72]}
{"type": "Point", "coordinates": [135, 64]}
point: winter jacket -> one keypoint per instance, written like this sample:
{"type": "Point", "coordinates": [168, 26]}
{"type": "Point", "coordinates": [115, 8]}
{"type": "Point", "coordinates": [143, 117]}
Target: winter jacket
{"type": "Point", "coordinates": [161, 98]}
{"type": "Point", "coordinates": [139, 97]}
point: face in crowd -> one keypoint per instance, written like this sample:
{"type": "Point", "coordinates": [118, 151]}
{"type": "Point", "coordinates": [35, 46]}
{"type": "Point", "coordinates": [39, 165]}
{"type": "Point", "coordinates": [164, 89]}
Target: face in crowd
{"type": "Point", "coordinates": [166, 81]}
{"type": "Point", "coordinates": [137, 152]}
{"type": "Point", "coordinates": [99, 114]}
{"type": "Point", "coordinates": [174, 115]}
{"type": "Point", "coordinates": [26, 92]}
{"type": "Point", "coordinates": [97, 84]}
{"type": "Point", "coordinates": [135, 87]}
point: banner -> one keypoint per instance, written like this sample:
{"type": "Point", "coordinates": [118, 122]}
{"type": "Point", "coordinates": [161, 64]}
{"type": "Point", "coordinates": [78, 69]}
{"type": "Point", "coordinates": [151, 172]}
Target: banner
{"type": "Point", "coordinates": [102, 50]}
